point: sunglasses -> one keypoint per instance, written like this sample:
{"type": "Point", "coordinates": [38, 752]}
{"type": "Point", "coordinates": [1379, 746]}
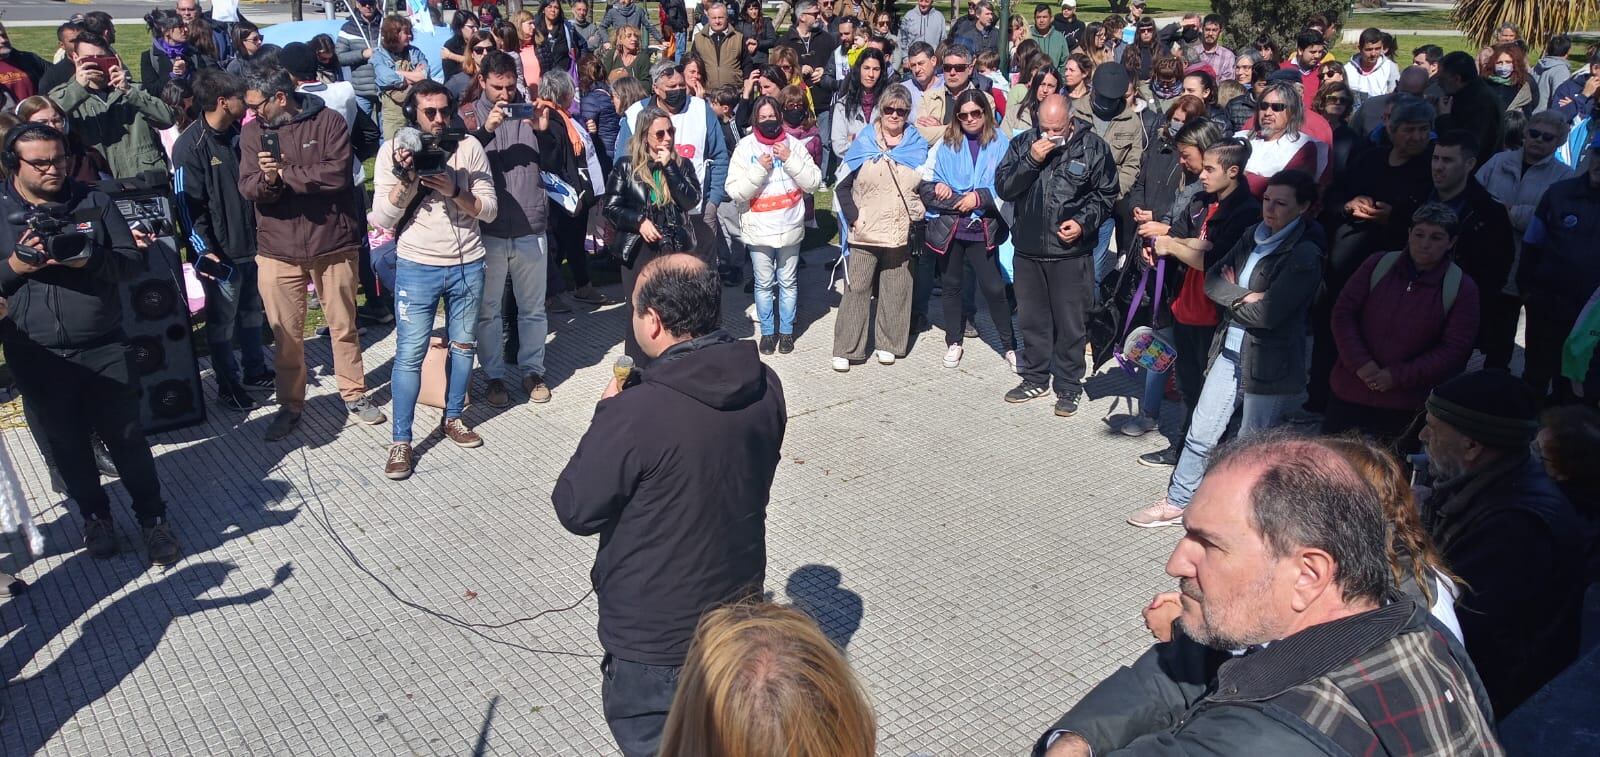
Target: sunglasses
{"type": "Point", "coordinates": [955, 68]}
{"type": "Point", "coordinates": [1341, 99]}
{"type": "Point", "coordinates": [970, 115]}
{"type": "Point", "coordinates": [1274, 107]}
{"type": "Point", "coordinates": [896, 112]}
{"type": "Point", "coordinates": [481, 49]}
{"type": "Point", "coordinates": [664, 133]}
{"type": "Point", "coordinates": [1539, 134]}
{"type": "Point", "coordinates": [432, 113]}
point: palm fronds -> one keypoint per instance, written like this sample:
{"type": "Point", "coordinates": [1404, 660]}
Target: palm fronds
{"type": "Point", "coordinates": [1539, 20]}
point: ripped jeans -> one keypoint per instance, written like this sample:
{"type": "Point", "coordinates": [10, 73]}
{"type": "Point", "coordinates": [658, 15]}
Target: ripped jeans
{"type": "Point", "coordinates": [417, 291]}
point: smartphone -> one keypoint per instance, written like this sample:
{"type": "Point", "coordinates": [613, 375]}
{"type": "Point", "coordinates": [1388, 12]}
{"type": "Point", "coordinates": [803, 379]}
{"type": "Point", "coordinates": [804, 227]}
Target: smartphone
{"type": "Point", "coordinates": [518, 110]}
{"type": "Point", "coordinates": [269, 144]}
{"type": "Point", "coordinates": [102, 62]}
{"type": "Point", "coordinates": [221, 270]}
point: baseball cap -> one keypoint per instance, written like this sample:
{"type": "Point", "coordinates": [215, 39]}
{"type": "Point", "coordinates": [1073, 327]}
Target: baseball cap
{"type": "Point", "coordinates": [1285, 75]}
{"type": "Point", "coordinates": [1069, 3]}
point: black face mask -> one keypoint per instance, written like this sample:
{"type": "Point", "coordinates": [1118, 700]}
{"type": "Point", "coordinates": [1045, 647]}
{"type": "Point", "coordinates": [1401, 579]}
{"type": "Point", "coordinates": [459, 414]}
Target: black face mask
{"type": "Point", "coordinates": [1190, 35]}
{"type": "Point", "coordinates": [794, 117]}
{"type": "Point", "coordinates": [676, 99]}
{"type": "Point", "coordinates": [769, 128]}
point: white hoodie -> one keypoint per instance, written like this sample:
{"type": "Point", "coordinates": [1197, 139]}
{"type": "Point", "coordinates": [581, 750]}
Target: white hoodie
{"type": "Point", "coordinates": [1380, 81]}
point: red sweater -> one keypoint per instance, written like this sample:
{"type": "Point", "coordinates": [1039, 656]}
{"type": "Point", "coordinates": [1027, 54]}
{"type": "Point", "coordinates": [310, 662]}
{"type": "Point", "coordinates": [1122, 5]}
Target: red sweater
{"type": "Point", "coordinates": [1401, 325]}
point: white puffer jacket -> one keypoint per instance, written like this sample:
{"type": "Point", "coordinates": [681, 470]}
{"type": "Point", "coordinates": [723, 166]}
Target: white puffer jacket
{"type": "Point", "coordinates": [772, 207]}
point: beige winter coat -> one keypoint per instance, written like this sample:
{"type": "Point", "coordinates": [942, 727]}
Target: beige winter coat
{"type": "Point", "coordinates": [880, 213]}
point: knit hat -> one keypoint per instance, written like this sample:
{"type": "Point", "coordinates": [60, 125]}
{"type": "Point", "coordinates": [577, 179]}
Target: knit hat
{"type": "Point", "coordinates": [299, 61]}
{"type": "Point", "coordinates": [1285, 75]}
{"type": "Point", "coordinates": [1492, 408]}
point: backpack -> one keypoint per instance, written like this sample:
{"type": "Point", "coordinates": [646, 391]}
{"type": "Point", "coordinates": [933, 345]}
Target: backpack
{"type": "Point", "coordinates": [1452, 277]}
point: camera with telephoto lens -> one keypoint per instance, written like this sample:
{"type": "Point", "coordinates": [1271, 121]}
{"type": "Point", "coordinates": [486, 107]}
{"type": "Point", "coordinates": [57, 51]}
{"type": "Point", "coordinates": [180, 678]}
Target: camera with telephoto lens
{"type": "Point", "coordinates": [59, 238]}
{"type": "Point", "coordinates": [436, 150]}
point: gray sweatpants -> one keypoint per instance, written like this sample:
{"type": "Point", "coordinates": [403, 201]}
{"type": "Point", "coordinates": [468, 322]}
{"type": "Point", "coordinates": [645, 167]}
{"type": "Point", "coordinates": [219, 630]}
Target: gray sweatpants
{"type": "Point", "coordinates": [891, 271]}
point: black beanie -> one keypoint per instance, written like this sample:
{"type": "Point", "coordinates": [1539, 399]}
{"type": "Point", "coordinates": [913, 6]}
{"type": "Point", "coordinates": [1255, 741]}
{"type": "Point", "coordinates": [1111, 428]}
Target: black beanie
{"type": "Point", "coordinates": [299, 61]}
{"type": "Point", "coordinates": [1492, 408]}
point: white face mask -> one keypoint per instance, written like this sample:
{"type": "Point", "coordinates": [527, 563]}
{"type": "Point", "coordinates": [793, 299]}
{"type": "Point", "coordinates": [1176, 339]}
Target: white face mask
{"type": "Point", "coordinates": [1502, 69]}
{"type": "Point", "coordinates": [1173, 127]}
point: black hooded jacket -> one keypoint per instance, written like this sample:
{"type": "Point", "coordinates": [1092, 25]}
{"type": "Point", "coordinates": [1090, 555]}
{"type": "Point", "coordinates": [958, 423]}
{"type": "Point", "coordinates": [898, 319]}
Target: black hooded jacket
{"type": "Point", "coordinates": [60, 307]}
{"type": "Point", "coordinates": [674, 475]}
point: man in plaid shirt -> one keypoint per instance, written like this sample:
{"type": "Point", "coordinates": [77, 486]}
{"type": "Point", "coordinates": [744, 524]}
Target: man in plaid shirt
{"type": "Point", "coordinates": [1292, 638]}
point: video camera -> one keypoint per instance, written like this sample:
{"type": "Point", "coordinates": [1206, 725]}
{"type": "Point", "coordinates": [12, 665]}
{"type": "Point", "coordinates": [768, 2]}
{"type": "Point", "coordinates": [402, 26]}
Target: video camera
{"type": "Point", "coordinates": [58, 234]}
{"type": "Point", "coordinates": [436, 150]}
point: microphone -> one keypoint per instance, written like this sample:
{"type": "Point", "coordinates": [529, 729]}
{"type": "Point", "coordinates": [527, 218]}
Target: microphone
{"type": "Point", "coordinates": [408, 138]}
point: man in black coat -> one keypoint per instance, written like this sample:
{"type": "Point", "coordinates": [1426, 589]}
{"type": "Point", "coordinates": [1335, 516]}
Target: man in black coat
{"type": "Point", "coordinates": [1469, 104]}
{"type": "Point", "coordinates": [1505, 528]}
{"type": "Point", "coordinates": [674, 474]}
{"type": "Point", "coordinates": [1485, 247]}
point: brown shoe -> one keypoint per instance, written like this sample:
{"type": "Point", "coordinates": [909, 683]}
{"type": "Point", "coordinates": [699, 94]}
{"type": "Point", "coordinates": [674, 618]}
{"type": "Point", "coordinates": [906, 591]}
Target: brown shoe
{"type": "Point", "coordinates": [537, 391]}
{"type": "Point", "coordinates": [496, 395]}
{"type": "Point", "coordinates": [399, 466]}
{"type": "Point", "coordinates": [459, 432]}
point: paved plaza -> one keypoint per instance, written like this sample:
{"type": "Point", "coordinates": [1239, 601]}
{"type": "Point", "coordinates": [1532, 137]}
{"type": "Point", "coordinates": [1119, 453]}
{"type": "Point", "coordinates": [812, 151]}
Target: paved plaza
{"type": "Point", "coordinates": [970, 555]}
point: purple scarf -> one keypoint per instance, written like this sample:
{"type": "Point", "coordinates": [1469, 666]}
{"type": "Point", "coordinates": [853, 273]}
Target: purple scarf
{"type": "Point", "coordinates": [173, 52]}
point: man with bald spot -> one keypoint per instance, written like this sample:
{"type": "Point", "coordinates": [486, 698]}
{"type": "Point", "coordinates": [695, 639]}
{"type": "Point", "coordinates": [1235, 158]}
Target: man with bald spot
{"type": "Point", "coordinates": [1369, 117]}
{"type": "Point", "coordinates": [1063, 180]}
{"type": "Point", "coordinates": [674, 474]}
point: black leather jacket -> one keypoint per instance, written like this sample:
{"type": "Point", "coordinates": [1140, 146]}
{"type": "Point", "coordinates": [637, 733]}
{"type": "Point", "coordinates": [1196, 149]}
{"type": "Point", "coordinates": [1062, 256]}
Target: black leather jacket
{"type": "Point", "coordinates": [628, 205]}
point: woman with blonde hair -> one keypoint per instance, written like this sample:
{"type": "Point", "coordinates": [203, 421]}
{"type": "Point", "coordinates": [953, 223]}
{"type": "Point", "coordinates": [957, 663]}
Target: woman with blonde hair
{"type": "Point", "coordinates": [628, 53]}
{"type": "Point", "coordinates": [761, 680]}
{"type": "Point", "coordinates": [651, 191]}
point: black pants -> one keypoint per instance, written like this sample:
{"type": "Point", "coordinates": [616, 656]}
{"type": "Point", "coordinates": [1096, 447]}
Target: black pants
{"type": "Point", "coordinates": [978, 257]}
{"type": "Point", "coordinates": [1194, 346]}
{"type": "Point", "coordinates": [1383, 425]}
{"type": "Point", "coordinates": [1497, 328]}
{"type": "Point", "coordinates": [923, 268]}
{"type": "Point", "coordinates": [565, 236]}
{"type": "Point", "coordinates": [636, 699]}
{"type": "Point", "coordinates": [1548, 328]}
{"type": "Point", "coordinates": [1052, 297]}
{"type": "Point", "coordinates": [84, 392]}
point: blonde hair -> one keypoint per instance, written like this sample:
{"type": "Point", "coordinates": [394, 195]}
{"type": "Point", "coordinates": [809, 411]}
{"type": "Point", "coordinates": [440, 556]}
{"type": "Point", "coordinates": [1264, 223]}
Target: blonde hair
{"type": "Point", "coordinates": [639, 153]}
{"type": "Point", "coordinates": [762, 680]}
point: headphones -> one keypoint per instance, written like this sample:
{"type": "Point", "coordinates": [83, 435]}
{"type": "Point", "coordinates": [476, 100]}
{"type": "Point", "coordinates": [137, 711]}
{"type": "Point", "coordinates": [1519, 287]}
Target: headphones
{"type": "Point", "coordinates": [408, 109]}
{"type": "Point", "coordinates": [9, 159]}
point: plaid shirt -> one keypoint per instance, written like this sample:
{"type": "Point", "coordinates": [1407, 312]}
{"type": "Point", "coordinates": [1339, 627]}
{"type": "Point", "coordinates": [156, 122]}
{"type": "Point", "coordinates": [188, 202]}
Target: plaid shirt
{"type": "Point", "coordinates": [1388, 681]}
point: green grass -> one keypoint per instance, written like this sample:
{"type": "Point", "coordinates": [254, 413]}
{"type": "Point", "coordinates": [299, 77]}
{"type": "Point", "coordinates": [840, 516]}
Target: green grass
{"type": "Point", "coordinates": [133, 39]}
{"type": "Point", "coordinates": [1388, 19]}
{"type": "Point", "coordinates": [1408, 43]}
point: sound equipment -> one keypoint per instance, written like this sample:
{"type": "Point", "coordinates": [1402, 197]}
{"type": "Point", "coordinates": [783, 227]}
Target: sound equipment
{"type": "Point", "coordinates": [155, 312]}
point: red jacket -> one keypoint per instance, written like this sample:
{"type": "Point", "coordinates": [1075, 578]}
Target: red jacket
{"type": "Point", "coordinates": [1401, 325]}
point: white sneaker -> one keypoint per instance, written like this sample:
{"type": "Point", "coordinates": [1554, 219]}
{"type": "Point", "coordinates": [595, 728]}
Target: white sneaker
{"type": "Point", "coordinates": [1139, 425]}
{"type": "Point", "coordinates": [885, 357]}
{"type": "Point", "coordinates": [841, 365]}
{"type": "Point", "coordinates": [1162, 513]}
{"type": "Point", "coordinates": [952, 356]}
{"type": "Point", "coordinates": [1011, 360]}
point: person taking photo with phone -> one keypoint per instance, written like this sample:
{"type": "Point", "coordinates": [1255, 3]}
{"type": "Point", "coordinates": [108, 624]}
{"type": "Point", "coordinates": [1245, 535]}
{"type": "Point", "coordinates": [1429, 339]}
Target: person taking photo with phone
{"type": "Point", "coordinates": [105, 109]}
{"type": "Point", "coordinates": [294, 165]}
{"type": "Point", "coordinates": [221, 227]}
{"type": "Point", "coordinates": [68, 251]}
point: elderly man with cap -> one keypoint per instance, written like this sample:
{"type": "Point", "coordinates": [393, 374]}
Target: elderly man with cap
{"type": "Point", "coordinates": [1504, 527]}
{"type": "Point", "coordinates": [1113, 119]}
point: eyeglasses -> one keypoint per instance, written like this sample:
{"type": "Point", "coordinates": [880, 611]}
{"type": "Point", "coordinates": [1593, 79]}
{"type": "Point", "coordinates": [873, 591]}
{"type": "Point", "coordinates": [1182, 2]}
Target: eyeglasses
{"type": "Point", "coordinates": [664, 133]}
{"type": "Point", "coordinates": [796, 107]}
{"type": "Point", "coordinates": [955, 68]}
{"type": "Point", "coordinates": [1340, 99]}
{"type": "Point", "coordinates": [1539, 134]}
{"type": "Point", "coordinates": [45, 165]}
{"type": "Point", "coordinates": [483, 49]}
{"type": "Point", "coordinates": [895, 112]}
{"type": "Point", "coordinates": [1274, 107]}
{"type": "Point", "coordinates": [970, 115]}
{"type": "Point", "coordinates": [432, 113]}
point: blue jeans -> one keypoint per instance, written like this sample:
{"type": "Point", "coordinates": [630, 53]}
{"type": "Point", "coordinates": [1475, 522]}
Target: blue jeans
{"type": "Point", "coordinates": [234, 311]}
{"type": "Point", "coordinates": [417, 291]}
{"type": "Point", "coordinates": [775, 268]}
{"type": "Point", "coordinates": [524, 260]}
{"type": "Point", "coordinates": [1104, 260]}
{"type": "Point", "coordinates": [1218, 400]}
{"type": "Point", "coordinates": [681, 49]}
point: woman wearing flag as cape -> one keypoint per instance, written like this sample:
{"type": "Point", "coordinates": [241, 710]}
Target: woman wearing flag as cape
{"type": "Point", "coordinates": [878, 202]}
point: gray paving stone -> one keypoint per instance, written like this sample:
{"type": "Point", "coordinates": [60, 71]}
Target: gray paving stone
{"type": "Point", "coordinates": [970, 554]}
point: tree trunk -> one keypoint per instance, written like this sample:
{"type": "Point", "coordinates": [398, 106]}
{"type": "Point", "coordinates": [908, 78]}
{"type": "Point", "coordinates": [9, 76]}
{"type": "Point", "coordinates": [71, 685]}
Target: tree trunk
{"type": "Point", "coordinates": [297, 9]}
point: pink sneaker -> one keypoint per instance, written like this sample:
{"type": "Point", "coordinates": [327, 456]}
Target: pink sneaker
{"type": "Point", "coordinates": [1162, 513]}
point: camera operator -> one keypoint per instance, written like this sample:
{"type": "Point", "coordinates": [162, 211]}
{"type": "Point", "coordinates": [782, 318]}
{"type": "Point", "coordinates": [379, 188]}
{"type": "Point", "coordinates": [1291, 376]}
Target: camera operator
{"type": "Point", "coordinates": [433, 186]}
{"type": "Point", "coordinates": [70, 251]}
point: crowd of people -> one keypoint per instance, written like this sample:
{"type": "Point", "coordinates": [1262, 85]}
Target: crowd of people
{"type": "Point", "coordinates": [1332, 244]}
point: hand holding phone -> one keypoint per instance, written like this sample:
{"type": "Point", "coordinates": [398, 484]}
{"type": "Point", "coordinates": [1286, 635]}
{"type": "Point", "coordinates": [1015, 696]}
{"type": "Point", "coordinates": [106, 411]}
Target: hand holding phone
{"type": "Point", "coordinates": [270, 144]}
